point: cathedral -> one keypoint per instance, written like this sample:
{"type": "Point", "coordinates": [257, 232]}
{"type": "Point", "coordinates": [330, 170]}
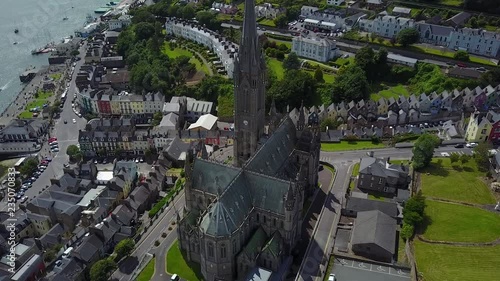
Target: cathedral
{"type": "Point", "coordinates": [249, 214]}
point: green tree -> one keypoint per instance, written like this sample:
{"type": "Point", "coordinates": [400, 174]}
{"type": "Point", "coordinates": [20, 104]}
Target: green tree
{"type": "Point", "coordinates": [423, 150]}
{"type": "Point", "coordinates": [318, 75]}
{"type": "Point", "coordinates": [407, 231]}
{"type": "Point", "coordinates": [461, 55]}
{"type": "Point", "coordinates": [157, 116]}
{"type": "Point", "coordinates": [102, 269]}
{"type": "Point", "coordinates": [144, 30]}
{"type": "Point", "coordinates": [124, 248]}
{"type": "Point", "coordinates": [408, 36]}
{"type": "Point", "coordinates": [454, 157]}
{"type": "Point", "coordinates": [74, 152]}
{"type": "Point", "coordinates": [351, 84]}
{"type": "Point", "coordinates": [291, 62]}
{"type": "Point", "coordinates": [482, 156]}
{"type": "Point", "coordinates": [29, 166]}
{"type": "Point", "coordinates": [187, 12]}
{"type": "Point", "coordinates": [281, 21]}
{"type": "Point", "coordinates": [209, 20]}
{"type": "Point", "coordinates": [491, 77]}
{"type": "Point", "coordinates": [464, 158]}
{"type": "Point", "coordinates": [329, 123]}
{"type": "Point", "coordinates": [296, 86]}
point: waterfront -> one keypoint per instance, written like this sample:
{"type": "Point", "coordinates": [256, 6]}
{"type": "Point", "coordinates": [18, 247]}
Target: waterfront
{"type": "Point", "coordinates": [38, 22]}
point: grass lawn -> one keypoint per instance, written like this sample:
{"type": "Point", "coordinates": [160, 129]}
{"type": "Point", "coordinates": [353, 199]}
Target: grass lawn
{"type": "Point", "coordinates": [44, 95]}
{"type": "Point", "coordinates": [456, 3]}
{"type": "Point", "coordinates": [449, 54]}
{"type": "Point", "coordinates": [177, 52]}
{"type": "Point", "coordinates": [459, 184]}
{"type": "Point", "coordinates": [176, 264]}
{"type": "Point", "coordinates": [147, 272]}
{"type": "Point", "coordinates": [279, 42]}
{"type": "Point", "coordinates": [266, 22]}
{"type": "Point", "coordinates": [355, 173]}
{"type": "Point", "coordinates": [277, 67]}
{"type": "Point", "coordinates": [328, 77]}
{"type": "Point", "coordinates": [401, 252]}
{"type": "Point", "coordinates": [55, 76]}
{"type": "Point", "coordinates": [459, 223]}
{"type": "Point", "coordinates": [447, 263]}
{"type": "Point", "coordinates": [174, 171]}
{"type": "Point", "coordinates": [344, 145]}
{"type": "Point", "coordinates": [342, 61]}
{"type": "Point", "coordinates": [394, 92]}
{"type": "Point", "coordinates": [25, 115]}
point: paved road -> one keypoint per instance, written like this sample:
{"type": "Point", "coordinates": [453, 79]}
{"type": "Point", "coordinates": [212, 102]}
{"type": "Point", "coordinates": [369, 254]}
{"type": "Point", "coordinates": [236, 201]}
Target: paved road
{"type": "Point", "coordinates": [320, 247]}
{"type": "Point", "coordinates": [146, 244]}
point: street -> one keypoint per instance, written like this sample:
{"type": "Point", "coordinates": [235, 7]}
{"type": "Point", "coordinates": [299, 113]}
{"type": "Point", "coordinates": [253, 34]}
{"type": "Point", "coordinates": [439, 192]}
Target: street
{"type": "Point", "coordinates": [66, 134]}
{"type": "Point", "coordinates": [146, 244]}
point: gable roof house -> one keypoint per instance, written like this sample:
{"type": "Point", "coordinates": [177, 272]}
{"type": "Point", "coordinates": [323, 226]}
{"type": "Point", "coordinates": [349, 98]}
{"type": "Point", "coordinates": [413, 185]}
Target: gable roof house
{"type": "Point", "coordinates": [377, 174]}
{"type": "Point", "coordinates": [374, 236]}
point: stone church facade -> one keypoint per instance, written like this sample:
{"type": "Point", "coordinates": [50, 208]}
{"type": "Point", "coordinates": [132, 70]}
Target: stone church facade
{"type": "Point", "coordinates": [249, 214]}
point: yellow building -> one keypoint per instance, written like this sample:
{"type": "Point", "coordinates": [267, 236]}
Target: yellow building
{"type": "Point", "coordinates": [480, 125]}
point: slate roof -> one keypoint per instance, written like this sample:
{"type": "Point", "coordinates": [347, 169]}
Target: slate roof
{"type": "Point", "coordinates": [362, 205]}
{"type": "Point", "coordinates": [375, 227]}
{"type": "Point", "coordinates": [273, 246]}
{"type": "Point", "coordinates": [438, 30]}
{"type": "Point", "coordinates": [379, 167]}
{"type": "Point", "coordinates": [240, 190]}
{"type": "Point", "coordinates": [90, 245]}
{"type": "Point", "coordinates": [255, 243]}
{"type": "Point", "coordinates": [175, 147]}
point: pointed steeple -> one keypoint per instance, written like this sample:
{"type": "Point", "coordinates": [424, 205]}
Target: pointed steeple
{"type": "Point", "coordinates": [249, 46]}
{"type": "Point", "coordinates": [290, 198]}
{"type": "Point", "coordinates": [273, 111]}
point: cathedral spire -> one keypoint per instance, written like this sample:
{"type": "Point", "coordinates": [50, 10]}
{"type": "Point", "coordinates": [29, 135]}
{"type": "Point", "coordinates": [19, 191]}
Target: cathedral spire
{"type": "Point", "coordinates": [302, 119]}
{"type": "Point", "coordinates": [273, 111]}
{"type": "Point", "coordinates": [249, 48]}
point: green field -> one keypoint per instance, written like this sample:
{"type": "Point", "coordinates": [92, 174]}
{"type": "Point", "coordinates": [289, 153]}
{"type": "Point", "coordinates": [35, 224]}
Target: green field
{"type": "Point", "coordinates": [456, 3]}
{"type": "Point", "coordinates": [344, 145]}
{"type": "Point", "coordinates": [451, 263]}
{"type": "Point", "coordinates": [279, 42]}
{"type": "Point", "coordinates": [266, 22]}
{"type": "Point", "coordinates": [147, 272]}
{"type": "Point", "coordinates": [276, 67]}
{"type": "Point", "coordinates": [394, 92]}
{"type": "Point", "coordinates": [441, 180]}
{"type": "Point", "coordinates": [459, 223]}
{"type": "Point", "coordinates": [177, 264]}
{"type": "Point", "coordinates": [342, 61]}
{"type": "Point", "coordinates": [55, 76]}
{"type": "Point", "coordinates": [446, 53]}
{"type": "Point", "coordinates": [178, 52]}
{"type": "Point", "coordinates": [355, 173]}
{"type": "Point", "coordinates": [328, 77]}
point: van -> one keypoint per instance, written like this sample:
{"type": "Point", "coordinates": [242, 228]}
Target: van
{"type": "Point", "coordinates": [67, 252]}
{"type": "Point", "coordinates": [174, 277]}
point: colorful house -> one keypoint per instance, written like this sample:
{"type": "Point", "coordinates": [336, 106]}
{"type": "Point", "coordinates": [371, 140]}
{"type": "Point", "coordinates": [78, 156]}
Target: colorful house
{"type": "Point", "coordinates": [480, 126]}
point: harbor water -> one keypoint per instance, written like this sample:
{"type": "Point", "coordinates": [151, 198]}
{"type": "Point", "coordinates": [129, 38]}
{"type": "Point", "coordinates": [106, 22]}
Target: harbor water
{"type": "Point", "coordinates": [38, 23]}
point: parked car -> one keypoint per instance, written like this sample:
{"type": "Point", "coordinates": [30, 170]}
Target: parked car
{"type": "Point", "coordinates": [65, 122]}
{"type": "Point", "coordinates": [471, 145]}
{"type": "Point", "coordinates": [332, 277]}
{"type": "Point", "coordinates": [460, 145]}
{"type": "Point", "coordinates": [74, 121]}
{"type": "Point", "coordinates": [55, 149]}
{"type": "Point", "coordinates": [66, 166]}
{"type": "Point", "coordinates": [24, 199]}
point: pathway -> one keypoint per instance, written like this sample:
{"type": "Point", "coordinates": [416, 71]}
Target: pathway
{"type": "Point", "coordinates": [205, 62]}
{"type": "Point", "coordinates": [466, 244]}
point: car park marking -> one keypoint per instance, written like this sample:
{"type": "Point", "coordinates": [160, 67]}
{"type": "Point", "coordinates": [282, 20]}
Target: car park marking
{"type": "Point", "coordinates": [382, 269]}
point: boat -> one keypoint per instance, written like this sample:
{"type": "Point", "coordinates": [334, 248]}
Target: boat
{"type": "Point", "coordinates": [37, 51]}
{"type": "Point", "coordinates": [15, 43]}
{"type": "Point", "coordinates": [16, 31]}
{"type": "Point", "coordinates": [65, 18]}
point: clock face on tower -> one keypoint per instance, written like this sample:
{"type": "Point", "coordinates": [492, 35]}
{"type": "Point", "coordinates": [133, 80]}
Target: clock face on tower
{"type": "Point", "coordinates": [245, 122]}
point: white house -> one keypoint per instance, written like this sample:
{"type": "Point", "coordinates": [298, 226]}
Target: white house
{"type": "Point", "coordinates": [153, 102]}
{"type": "Point", "coordinates": [385, 25]}
{"type": "Point", "coordinates": [434, 34]}
{"type": "Point", "coordinates": [121, 22]}
{"type": "Point", "coordinates": [475, 41]}
{"type": "Point", "coordinates": [267, 10]}
{"type": "Point", "coordinates": [334, 2]}
{"type": "Point", "coordinates": [317, 49]}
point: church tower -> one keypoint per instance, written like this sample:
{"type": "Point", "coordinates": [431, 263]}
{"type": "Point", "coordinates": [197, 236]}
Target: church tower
{"type": "Point", "coordinates": [249, 90]}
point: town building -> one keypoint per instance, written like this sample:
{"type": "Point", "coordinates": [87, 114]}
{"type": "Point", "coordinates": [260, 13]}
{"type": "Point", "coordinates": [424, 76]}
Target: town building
{"type": "Point", "coordinates": [119, 23]}
{"type": "Point", "coordinates": [249, 215]}
{"type": "Point", "coordinates": [480, 127]}
{"type": "Point", "coordinates": [475, 41]}
{"type": "Point", "coordinates": [317, 49]}
{"type": "Point", "coordinates": [399, 59]}
{"type": "Point", "coordinates": [224, 8]}
{"type": "Point", "coordinates": [385, 25]}
{"type": "Point", "coordinates": [267, 11]}
{"type": "Point", "coordinates": [224, 49]}
{"type": "Point", "coordinates": [377, 174]}
{"type": "Point", "coordinates": [401, 11]}
{"type": "Point", "coordinates": [22, 136]}
{"type": "Point", "coordinates": [334, 2]}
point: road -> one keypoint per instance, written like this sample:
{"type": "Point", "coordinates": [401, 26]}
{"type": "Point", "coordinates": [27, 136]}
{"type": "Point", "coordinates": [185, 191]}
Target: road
{"type": "Point", "coordinates": [316, 258]}
{"type": "Point", "coordinates": [146, 244]}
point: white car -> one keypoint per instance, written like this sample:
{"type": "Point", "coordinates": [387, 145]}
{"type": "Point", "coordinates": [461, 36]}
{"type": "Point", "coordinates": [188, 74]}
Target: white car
{"type": "Point", "coordinates": [471, 145]}
{"type": "Point", "coordinates": [332, 277]}
{"type": "Point", "coordinates": [74, 121]}
{"type": "Point", "coordinates": [24, 199]}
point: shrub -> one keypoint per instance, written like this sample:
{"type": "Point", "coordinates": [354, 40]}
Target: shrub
{"type": "Point", "coordinates": [407, 231]}
{"type": "Point", "coordinates": [164, 234]}
{"type": "Point", "coordinates": [157, 243]}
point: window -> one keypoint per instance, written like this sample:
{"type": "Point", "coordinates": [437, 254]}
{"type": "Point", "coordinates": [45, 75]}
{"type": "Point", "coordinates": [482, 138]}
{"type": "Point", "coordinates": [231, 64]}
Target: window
{"type": "Point", "coordinates": [210, 250]}
{"type": "Point", "coordinates": [386, 189]}
{"type": "Point", "coordinates": [257, 218]}
{"type": "Point", "coordinates": [380, 181]}
{"type": "Point", "coordinates": [265, 219]}
{"type": "Point", "coordinates": [223, 251]}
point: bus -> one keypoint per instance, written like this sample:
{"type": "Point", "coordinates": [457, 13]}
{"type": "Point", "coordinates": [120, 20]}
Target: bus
{"type": "Point", "coordinates": [63, 96]}
{"type": "Point", "coordinates": [19, 163]}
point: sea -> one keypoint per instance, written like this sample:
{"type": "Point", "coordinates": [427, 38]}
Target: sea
{"type": "Point", "coordinates": [39, 22]}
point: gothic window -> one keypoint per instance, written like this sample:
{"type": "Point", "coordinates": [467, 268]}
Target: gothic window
{"type": "Point", "coordinates": [265, 218]}
{"type": "Point", "coordinates": [211, 250]}
{"type": "Point", "coordinates": [274, 222]}
{"type": "Point", "coordinates": [223, 251]}
{"type": "Point", "coordinates": [258, 218]}
{"type": "Point", "coordinates": [281, 224]}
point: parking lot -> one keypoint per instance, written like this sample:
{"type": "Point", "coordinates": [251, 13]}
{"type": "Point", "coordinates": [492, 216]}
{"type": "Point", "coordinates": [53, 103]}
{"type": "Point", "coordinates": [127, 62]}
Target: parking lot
{"type": "Point", "coordinates": [350, 270]}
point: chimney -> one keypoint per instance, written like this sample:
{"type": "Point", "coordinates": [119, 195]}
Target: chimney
{"type": "Point", "coordinates": [371, 153]}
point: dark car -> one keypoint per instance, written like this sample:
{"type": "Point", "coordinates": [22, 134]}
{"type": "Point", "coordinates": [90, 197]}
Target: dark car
{"type": "Point", "coordinates": [460, 145]}
{"type": "Point", "coordinates": [65, 122]}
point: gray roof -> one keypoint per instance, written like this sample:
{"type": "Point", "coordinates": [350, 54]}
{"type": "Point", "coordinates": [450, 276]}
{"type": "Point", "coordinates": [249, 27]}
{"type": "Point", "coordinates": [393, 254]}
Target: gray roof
{"type": "Point", "coordinates": [175, 147]}
{"type": "Point", "coordinates": [379, 167]}
{"type": "Point", "coordinates": [239, 191]}
{"type": "Point", "coordinates": [362, 205]}
{"type": "Point", "coordinates": [460, 18]}
{"type": "Point", "coordinates": [435, 29]}
{"type": "Point", "coordinates": [89, 247]}
{"type": "Point", "coordinates": [375, 227]}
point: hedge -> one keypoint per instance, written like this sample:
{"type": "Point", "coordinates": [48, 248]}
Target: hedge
{"type": "Point", "coordinates": [164, 201]}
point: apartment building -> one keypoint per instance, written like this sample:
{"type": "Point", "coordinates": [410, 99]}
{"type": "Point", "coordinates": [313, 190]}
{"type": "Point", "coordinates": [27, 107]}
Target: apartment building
{"type": "Point", "coordinates": [385, 25]}
{"type": "Point", "coordinates": [317, 49]}
{"type": "Point", "coordinates": [108, 102]}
